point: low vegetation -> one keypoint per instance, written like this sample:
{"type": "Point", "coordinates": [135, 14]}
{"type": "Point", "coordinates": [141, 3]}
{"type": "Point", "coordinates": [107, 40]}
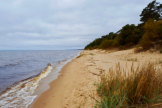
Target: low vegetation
{"type": "Point", "coordinates": [139, 87]}
{"type": "Point", "coordinates": [80, 55]}
{"type": "Point", "coordinates": [91, 54]}
{"type": "Point", "coordinates": [84, 55]}
{"type": "Point", "coordinates": [142, 85]}
{"type": "Point", "coordinates": [132, 59]}
{"type": "Point", "coordinates": [159, 62]}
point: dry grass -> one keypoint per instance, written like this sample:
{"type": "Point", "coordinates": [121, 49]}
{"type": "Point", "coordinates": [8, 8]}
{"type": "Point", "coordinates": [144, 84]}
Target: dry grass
{"type": "Point", "coordinates": [141, 87]}
{"type": "Point", "coordinates": [132, 59]}
{"type": "Point", "coordinates": [91, 54]}
{"type": "Point", "coordinates": [84, 55]}
{"type": "Point", "coordinates": [159, 62]}
{"type": "Point", "coordinates": [139, 49]}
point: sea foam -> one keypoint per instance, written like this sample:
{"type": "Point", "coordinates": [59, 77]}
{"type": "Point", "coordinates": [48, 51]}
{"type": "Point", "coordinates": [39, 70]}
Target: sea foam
{"type": "Point", "coordinates": [20, 94]}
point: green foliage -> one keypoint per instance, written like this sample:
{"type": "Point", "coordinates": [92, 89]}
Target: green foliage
{"type": "Point", "coordinates": [94, 44]}
{"type": "Point", "coordinates": [145, 34]}
{"type": "Point", "coordinates": [110, 36]}
{"type": "Point", "coordinates": [97, 42]}
{"type": "Point", "coordinates": [129, 34]}
{"type": "Point", "coordinates": [152, 35]}
{"type": "Point", "coordinates": [106, 44]}
{"type": "Point", "coordinates": [152, 11]}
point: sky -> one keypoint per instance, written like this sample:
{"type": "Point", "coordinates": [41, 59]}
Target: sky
{"type": "Point", "coordinates": [63, 24]}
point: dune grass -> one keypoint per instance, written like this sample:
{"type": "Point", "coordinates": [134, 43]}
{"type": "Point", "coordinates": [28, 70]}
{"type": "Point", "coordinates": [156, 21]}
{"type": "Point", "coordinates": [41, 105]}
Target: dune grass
{"type": "Point", "coordinates": [160, 61]}
{"type": "Point", "coordinates": [91, 54]}
{"type": "Point", "coordinates": [140, 88]}
{"type": "Point", "coordinates": [132, 59]}
{"type": "Point", "coordinates": [80, 55]}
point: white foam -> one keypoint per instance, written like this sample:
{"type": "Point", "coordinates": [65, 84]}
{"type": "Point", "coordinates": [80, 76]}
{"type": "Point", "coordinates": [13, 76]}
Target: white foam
{"type": "Point", "coordinates": [20, 95]}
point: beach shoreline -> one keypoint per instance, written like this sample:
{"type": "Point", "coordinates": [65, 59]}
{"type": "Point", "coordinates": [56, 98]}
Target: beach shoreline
{"type": "Point", "coordinates": [54, 85]}
{"type": "Point", "coordinates": [44, 84]}
{"type": "Point", "coordinates": [61, 87]}
{"type": "Point", "coordinates": [75, 87]}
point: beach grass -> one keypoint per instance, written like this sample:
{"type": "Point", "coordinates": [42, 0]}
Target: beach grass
{"type": "Point", "coordinates": [160, 61]}
{"type": "Point", "coordinates": [85, 54]}
{"type": "Point", "coordinates": [139, 87]}
{"type": "Point", "coordinates": [91, 54]}
{"type": "Point", "coordinates": [132, 59]}
{"type": "Point", "coordinates": [80, 55]}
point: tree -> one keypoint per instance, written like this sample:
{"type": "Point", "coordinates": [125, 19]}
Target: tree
{"type": "Point", "coordinates": [106, 44]}
{"type": "Point", "coordinates": [153, 30]}
{"type": "Point", "coordinates": [152, 11]}
{"type": "Point", "coordinates": [129, 34]}
{"type": "Point", "coordinates": [152, 35]}
{"type": "Point", "coordinates": [111, 35]}
{"type": "Point", "coordinates": [94, 44]}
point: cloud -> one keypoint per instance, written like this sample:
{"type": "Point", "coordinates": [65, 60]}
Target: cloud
{"type": "Point", "coordinates": [62, 24]}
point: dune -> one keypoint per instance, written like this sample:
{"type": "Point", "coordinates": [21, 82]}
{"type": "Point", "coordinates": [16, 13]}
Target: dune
{"type": "Point", "coordinates": [75, 87]}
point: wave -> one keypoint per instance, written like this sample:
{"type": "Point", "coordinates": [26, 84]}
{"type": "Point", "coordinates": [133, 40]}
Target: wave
{"type": "Point", "coordinates": [14, 64]}
{"type": "Point", "coordinates": [20, 95]}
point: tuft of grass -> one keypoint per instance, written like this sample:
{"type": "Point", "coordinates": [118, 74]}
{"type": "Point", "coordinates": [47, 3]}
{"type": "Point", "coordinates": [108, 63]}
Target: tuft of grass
{"type": "Point", "coordinates": [132, 59]}
{"type": "Point", "coordinates": [80, 55]}
{"type": "Point", "coordinates": [160, 61]}
{"type": "Point", "coordinates": [140, 49]}
{"type": "Point", "coordinates": [91, 54]}
{"type": "Point", "coordinates": [84, 54]}
{"type": "Point", "coordinates": [138, 87]}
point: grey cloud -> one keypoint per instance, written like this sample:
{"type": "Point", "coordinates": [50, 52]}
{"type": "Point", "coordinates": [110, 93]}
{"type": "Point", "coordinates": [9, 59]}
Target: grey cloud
{"type": "Point", "coordinates": [62, 24]}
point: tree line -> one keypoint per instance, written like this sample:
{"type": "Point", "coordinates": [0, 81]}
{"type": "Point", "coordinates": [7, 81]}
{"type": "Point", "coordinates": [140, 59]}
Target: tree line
{"type": "Point", "coordinates": [147, 34]}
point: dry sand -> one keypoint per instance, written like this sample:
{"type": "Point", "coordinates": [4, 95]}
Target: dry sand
{"type": "Point", "coordinates": [75, 87]}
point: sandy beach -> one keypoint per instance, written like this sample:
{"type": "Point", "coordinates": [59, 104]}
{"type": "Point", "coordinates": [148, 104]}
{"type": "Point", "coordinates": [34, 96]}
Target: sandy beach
{"type": "Point", "coordinates": [75, 87]}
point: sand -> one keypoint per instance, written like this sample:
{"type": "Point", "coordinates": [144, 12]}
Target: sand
{"type": "Point", "coordinates": [75, 87]}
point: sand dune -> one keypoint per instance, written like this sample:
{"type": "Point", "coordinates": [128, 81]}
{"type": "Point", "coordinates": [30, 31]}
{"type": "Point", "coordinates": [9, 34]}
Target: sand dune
{"type": "Point", "coordinates": [75, 87]}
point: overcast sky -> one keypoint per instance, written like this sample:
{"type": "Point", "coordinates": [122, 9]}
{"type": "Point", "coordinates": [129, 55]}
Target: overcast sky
{"type": "Point", "coordinates": [63, 24]}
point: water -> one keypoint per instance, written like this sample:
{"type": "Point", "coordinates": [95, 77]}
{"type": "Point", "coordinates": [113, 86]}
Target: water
{"type": "Point", "coordinates": [21, 71]}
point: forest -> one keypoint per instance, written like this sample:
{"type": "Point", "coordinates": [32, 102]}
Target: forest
{"type": "Point", "coordinates": [146, 35]}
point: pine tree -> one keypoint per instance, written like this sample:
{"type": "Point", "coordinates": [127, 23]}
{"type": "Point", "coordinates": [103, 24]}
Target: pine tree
{"type": "Point", "coordinates": [152, 11]}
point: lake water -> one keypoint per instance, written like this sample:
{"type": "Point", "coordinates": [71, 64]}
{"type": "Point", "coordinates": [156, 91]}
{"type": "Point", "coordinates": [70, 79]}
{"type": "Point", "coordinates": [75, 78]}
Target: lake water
{"type": "Point", "coordinates": [21, 72]}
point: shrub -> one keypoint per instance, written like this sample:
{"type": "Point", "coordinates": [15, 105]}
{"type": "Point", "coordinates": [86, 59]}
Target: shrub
{"type": "Point", "coordinates": [139, 86]}
{"type": "Point", "coordinates": [94, 44]}
{"type": "Point", "coordinates": [146, 44]}
{"type": "Point", "coordinates": [138, 49]}
{"type": "Point", "coordinates": [152, 35]}
{"type": "Point", "coordinates": [106, 44]}
{"type": "Point", "coordinates": [127, 46]}
{"type": "Point", "coordinates": [160, 51]}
